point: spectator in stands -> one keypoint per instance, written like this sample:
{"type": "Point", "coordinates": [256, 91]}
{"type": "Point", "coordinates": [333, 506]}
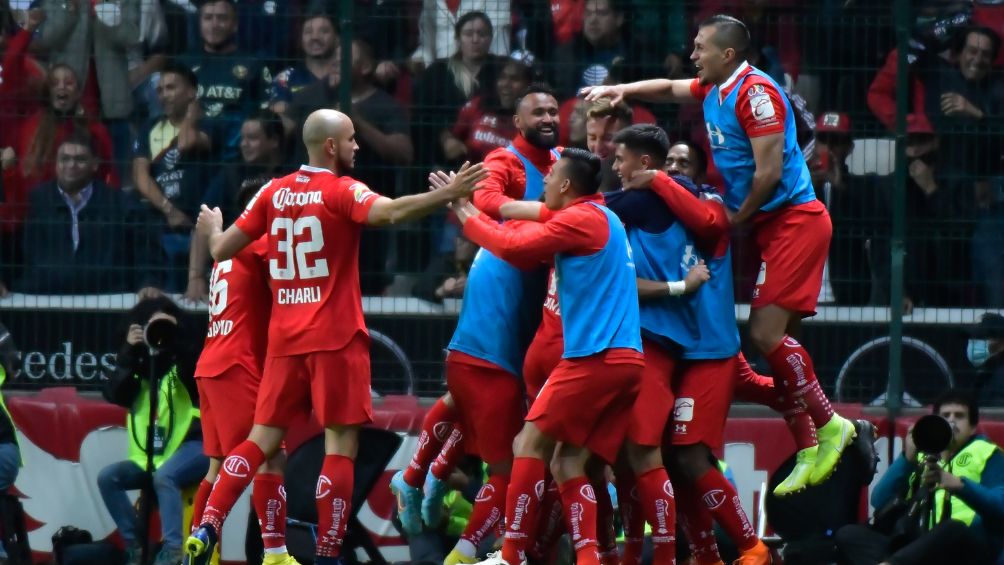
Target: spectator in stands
{"type": "Point", "coordinates": [851, 203]}
{"type": "Point", "coordinates": [75, 239]}
{"type": "Point", "coordinates": [262, 142]}
{"type": "Point", "coordinates": [93, 39]}
{"type": "Point", "coordinates": [22, 84]}
{"type": "Point", "coordinates": [603, 121]}
{"type": "Point", "coordinates": [382, 134]}
{"type": "Point", "coordinates": [587, 59]}
{"type": "Point", "coordinates": [166, 166]}
{"type": "Point", "coordinates": [440, 36]}
{"type": "Point", "coordinates": [60, 117]}
{"type": "Point", "coordinates": [449, 83]}
{"type": "Point", "coordinates": [984, 351]}
{"type": "Point", "coordinates": [178, 461]}
{"type": "Point", "coordinates": [967, 514]}
{"type": "Point", "coordinates": [232, 84]}
{"type": "Point", "coordinates": [318, 41]}
{"type": "Point", "coordinates": [485, 123]}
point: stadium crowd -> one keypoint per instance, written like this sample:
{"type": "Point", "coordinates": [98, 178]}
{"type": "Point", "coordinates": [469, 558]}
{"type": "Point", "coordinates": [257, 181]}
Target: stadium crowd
{"type": "Point", "coordinates": [119, 118]}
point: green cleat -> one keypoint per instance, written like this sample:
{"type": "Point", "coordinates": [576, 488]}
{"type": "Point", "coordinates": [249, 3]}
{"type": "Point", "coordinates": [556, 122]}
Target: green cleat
{"type": "Point", "coordinates": [834, 437]}
{"type": "Point", "coordinates": [798, 479]}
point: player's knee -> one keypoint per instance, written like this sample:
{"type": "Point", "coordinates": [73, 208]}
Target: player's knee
{"type": "Point", "coordinates": [690, 462]}
{"type": "Point", "coordinates": [276, 464]}
{"type": "Point", "coordinates": [643, 458]}
{"type": "Point", "coordinates": [765, 337]}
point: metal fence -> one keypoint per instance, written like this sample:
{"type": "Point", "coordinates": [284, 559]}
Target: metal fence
{"type": "Point", "coordinates": [899, 111]}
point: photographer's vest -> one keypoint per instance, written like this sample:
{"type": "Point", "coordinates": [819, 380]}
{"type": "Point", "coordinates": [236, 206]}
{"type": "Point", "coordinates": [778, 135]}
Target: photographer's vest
{"type": "Point", "coordinates": [3, 406]}
{"type": "Point", "coordinates": [968, 463]}
{"type": "Point", "coordinates": [175, 413]}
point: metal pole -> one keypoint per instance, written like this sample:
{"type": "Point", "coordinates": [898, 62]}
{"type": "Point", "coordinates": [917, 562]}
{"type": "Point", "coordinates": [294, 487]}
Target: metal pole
{"type": "Point", "coordinates": [345, 64]}
{"type": "Point", "coordinates": [894, 401]}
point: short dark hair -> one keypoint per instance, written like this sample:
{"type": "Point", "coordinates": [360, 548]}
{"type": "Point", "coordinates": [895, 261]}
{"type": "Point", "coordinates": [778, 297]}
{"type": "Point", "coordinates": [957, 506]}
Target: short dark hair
{"type": "Point", "coordinates": [271, 123]}
{"type": "Point", "coordinates": [81, 138]}
{"type": "Point", "coordinates": [202, 3]}
{"type": "Point", "coordinates": [958, 396]}
{"type": "Point", "coordinates": [583, 170]}
{"type": "Point", "coordinates": [184, 71]}
{"type": "Point", "coordinates": [962, 35]}
{"type": "Point", "coordinates": [537, 88]}
{"type": "Point", "coordinates": [646, 139]}
{"type": "Point", "coordinates": [696, 152]}
{"type": "Point", "coordinates": [249, 187]}
{"type": "Point", "coordinates": [469, 17]}
{"type": "Point", "coordinates": [730, 33]}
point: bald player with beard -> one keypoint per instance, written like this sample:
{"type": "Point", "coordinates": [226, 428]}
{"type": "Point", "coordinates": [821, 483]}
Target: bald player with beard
{"type": "Point", "coordinates": [318, 346]}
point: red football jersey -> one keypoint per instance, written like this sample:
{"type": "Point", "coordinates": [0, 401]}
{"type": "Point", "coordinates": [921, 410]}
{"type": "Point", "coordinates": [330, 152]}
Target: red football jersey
{"type": "Point", "coordinates": [239, 304]}
{"type": "Point", "coordinates": [313, 220]}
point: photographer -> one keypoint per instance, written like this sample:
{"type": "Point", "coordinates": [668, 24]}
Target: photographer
{"type": "Point", "coordinates": [156, 349]}
{"type": "Point", "coordinates": [966, 515]}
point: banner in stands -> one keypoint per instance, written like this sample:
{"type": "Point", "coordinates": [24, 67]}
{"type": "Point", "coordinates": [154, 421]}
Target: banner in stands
{"type": "Point", "coordinates": [60, 346]}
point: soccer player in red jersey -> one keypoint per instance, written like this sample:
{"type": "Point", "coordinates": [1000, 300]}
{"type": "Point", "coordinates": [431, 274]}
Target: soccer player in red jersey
{"type": "Point", "coordinates": [753, 142]}
{"type": "Point", "coordinates": [228, 375]}
{"type": "Point", "coordinates": [318, 347]}
{"type": "Point", "coordinates": [586, 399]}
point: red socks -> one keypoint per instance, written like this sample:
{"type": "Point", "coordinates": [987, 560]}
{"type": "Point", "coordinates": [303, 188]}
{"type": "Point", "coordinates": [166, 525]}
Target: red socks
{"type": "Point", "coordinates": [269, 500]}
{"type": "Point", "coordinates": [697, 525]}
{"type": "Point", "coordinates": [659, 506]}
{"type": "Point", "coordinates": [199, 504]}
{"type": "Point", "coordinates": [489, 508]}
{"type": "Point", "coordinates": [579, 501]}
{"type": "Point", "coordinates": [526, 491]}
{"type": "Point", "coordinates": [449, 456]}
{"type": "Point", "coordinates": [549, 523]}
{"type": "Point", "coordinates": [436, 428]}
{"type": "Point", "coordinates": [790, 363]}
{"type": "Point", "coordinates": [722, 500]}
{"type": "Point", "coordinates": [754, 387]}
{"type": "Point", "coordinates": [237, 473]}
{"type": "Point", "coordinates": [632, 518]}
{"type": "Point", "coordinates": [606, 537]}
{"type": "Point", "coordinates": [334, 500]}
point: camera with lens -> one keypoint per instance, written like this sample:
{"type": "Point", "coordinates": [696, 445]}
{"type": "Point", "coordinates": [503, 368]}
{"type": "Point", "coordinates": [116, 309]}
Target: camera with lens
{"type": "Point", "coordinates": [160, 333]}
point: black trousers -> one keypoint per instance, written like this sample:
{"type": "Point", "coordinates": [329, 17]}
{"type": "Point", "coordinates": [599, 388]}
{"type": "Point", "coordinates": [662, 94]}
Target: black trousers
{"type": "Point", "coordinates": [949, 542]}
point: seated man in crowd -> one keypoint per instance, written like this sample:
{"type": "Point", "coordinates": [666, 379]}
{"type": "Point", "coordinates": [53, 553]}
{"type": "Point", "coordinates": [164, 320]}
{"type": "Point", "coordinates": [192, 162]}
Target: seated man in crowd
{"type": "Point", "coordinates": [178, 461]}
{"type": "Point", "coordinates": [75, 239]}
{"type": "Point", "coordinates": [967, 510]}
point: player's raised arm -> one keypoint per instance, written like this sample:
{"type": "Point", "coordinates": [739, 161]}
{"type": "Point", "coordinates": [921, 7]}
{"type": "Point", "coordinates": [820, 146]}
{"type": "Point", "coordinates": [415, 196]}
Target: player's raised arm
{"type": "Point", "coordinates": [391, 211]}
{"type": "Point", "coordinates": [222, 244]}
{"type": "Point", "coordinates": [652, 90]}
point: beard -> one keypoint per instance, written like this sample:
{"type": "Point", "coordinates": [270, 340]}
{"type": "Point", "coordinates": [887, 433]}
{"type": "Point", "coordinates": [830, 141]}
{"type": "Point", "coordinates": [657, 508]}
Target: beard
{"type": "Point", "coordinates": [542, 140]}
{"type": "Point", "coordinates": [345, 166]}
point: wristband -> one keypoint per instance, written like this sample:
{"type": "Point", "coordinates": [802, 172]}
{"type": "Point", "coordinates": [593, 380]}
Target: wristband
{"type": "Point", "coordinates": [676, 288]}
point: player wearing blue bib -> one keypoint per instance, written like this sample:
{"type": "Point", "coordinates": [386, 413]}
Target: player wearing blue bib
{"type": "Point", "coordinates": [751, 132]}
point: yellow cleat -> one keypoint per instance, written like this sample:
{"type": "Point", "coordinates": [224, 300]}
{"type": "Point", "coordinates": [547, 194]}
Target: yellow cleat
{"type": "Point", "coordinates": [834, 438]}
{"type": "Point", "coordinates": [456, 557]}
{"type": "Point", "coordinates": [798, 479]}
{"type": "Point", "coordinates": [279, 559]}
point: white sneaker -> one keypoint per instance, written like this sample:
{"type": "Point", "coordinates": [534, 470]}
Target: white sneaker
{"type": "Point", "coordinates": [495, 558]}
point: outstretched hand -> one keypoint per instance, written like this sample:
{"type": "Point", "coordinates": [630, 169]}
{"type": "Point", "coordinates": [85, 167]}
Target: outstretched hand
{"type": "Point", "coordinates": [615, 92]}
